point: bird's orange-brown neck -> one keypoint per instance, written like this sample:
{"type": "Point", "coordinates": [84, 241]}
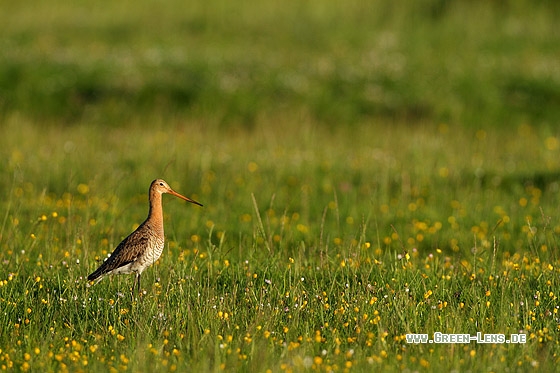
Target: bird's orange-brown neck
{"type": "Point", "coordinates": [155, 216]}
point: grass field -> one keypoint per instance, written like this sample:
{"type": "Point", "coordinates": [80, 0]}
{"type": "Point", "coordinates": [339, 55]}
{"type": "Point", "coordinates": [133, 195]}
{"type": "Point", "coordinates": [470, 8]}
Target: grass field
{"type": "Point", "coordinates": [367, 172]}
{"type": "Point", "coordinates": [466, 62]}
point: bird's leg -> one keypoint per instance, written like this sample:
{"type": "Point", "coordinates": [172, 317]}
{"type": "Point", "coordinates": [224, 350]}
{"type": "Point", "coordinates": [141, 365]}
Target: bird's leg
{"type": "Point", "coordinates": [136, 287]}
{"type": "Point", "coordinates": [138, 284]}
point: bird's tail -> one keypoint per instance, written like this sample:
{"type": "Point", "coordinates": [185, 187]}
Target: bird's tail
{"type": "Point", "coordinates": [97, 275]}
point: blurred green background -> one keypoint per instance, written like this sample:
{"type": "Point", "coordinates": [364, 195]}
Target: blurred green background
{"type": "Point", "coordinates": [244, 63]}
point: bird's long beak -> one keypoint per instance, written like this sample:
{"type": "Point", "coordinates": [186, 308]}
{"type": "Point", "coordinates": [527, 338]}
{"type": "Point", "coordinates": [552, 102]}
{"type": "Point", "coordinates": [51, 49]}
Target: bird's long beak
{"type": "Point", "coordinates": [170, 191]}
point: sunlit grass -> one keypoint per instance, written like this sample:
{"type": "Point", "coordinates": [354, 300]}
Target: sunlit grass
{"type": "Point", "coordinates": [367, 170]}
{"type": "Point", "coordinates": [314, 250]}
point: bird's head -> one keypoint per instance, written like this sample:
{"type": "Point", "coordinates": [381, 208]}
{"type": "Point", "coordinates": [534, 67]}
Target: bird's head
{"type": "Point", "coordinates": [160, 186]}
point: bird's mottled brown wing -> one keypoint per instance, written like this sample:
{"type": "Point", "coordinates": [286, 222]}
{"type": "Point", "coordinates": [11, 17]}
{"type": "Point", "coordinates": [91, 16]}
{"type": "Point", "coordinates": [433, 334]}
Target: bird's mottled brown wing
{"type": "Point", "coordinates": [126, 252]}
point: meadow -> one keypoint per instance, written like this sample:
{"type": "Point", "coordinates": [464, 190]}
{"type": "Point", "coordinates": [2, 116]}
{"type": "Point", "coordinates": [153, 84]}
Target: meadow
{"type": "Point", "coordinates": [367, 172]}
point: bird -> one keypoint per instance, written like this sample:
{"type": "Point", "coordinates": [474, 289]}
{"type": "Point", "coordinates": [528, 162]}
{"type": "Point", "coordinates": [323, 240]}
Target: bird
{"type": "Point", "coordinates": [144, 246]}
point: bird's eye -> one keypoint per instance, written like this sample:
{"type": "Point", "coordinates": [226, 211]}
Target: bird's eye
{"type": "Point", "coordinates": [160, 184]}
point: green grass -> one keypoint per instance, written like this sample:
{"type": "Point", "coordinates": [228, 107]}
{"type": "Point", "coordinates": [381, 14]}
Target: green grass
{"type": "Point", "coordinates": [314, 250]}
{"type": "Point", "coordinates": [367, 170]}
{"type": "Point", "coordinates": [462, 62]}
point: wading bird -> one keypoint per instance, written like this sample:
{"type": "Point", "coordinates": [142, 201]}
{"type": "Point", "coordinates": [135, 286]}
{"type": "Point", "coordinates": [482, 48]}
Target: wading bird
{"type": "Point", "coordinates": [142, 247]}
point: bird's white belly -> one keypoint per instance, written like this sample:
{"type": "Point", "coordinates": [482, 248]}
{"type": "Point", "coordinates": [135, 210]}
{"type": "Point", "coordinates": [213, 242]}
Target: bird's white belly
{"type": "Point", "coordinates": [149, 257]}
{"type": "Point", "coordinates": [123, 269]}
